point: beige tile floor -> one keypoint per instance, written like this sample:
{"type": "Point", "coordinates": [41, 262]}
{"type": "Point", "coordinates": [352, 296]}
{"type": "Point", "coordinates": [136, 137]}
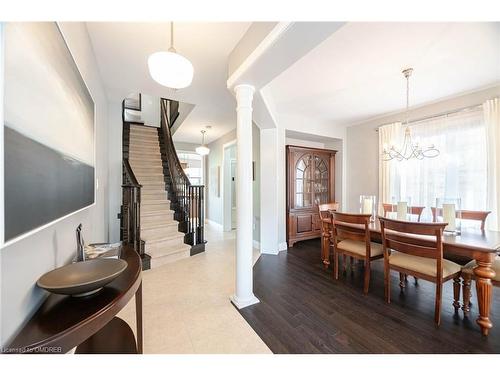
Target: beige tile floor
{"type": "Point", "coordinates": [186, 307]}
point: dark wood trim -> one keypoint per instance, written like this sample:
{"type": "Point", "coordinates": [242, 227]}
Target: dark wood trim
{"type": "Point", "coordinates": [116, 337]}
{"type": "Point", "coordinates": [64, 322]}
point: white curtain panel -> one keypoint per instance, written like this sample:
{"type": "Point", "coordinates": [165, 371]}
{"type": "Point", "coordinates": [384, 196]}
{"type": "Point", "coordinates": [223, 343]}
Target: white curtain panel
{"type": "Point", "coordinates": [491, 109]}
{"type": "Point", "coordinates": [460, 171]}
{"type": "Point", "coordinates": [388, 181]}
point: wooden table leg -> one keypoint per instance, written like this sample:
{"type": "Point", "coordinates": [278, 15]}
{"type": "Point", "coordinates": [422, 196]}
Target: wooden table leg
{"type": "Point", "coordinates": [325, 247]}
{"type": "Point", "coordinates": [484, 273]}
{"type": "Point", "coordinates": [138, 316]}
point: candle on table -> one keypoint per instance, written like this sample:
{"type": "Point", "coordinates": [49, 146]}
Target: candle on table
{"type": "Point", "coordinates": [402, 209]}
{"type": "Point", "coordinates": [367, 206]}
{"type": "Point", "coordinates": [449, 215]}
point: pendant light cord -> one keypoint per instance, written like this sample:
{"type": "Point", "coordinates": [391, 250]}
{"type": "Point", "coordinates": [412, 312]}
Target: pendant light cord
{"type": "Point", "coordinates": [171, 35]}
{"type": "Point", "coordinates": [172, 49]}
{"type": "Point", "coordinates": [407, 98]}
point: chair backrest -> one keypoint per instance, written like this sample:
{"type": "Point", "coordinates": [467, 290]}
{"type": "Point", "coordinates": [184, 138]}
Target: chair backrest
{"type": "Point", "coordinates": [465, 214]}
{"type": "Point", "coordinates": [414, 210]}
{"type": "Point", "coordinates": [325, 208]}
{"type": "Point", "coordinates": [400, 236]}
{"type": "Point", "coordinates": [351, 226]}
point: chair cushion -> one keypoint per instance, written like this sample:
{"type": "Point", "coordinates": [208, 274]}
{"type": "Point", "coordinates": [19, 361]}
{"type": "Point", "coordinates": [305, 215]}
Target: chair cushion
{"type": "Point", "coordinates": [426, 266]}
{"type": "Point", "coordinates": [469, 268]}
{"type": "Point", "coordinates": [359, 247]}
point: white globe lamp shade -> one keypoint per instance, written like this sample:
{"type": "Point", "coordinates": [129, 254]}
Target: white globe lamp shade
{"type": "Point", "coordinates": [170, 69]}
{"type": "Point", "coordinates": [202, 150]}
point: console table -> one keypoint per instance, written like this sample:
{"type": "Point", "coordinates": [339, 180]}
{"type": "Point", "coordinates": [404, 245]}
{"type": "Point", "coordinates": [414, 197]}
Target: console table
{"type": "Point", "coordinates": [88, 323]}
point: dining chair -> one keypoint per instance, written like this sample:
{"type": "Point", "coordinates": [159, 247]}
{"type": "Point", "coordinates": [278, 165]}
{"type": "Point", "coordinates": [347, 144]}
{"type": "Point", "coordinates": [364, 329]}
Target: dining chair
{"type": "Point", "coordinates": [326, 230]}
{"type": "Point", "coordinates": [468, 275]}
{"type": "Point", "coordinates": [404, 253]}
{"type": "Point", "coordinates": [414, 210]}
{"type": "Point", "coordinates": [351, 237]}
{"type": "Point", "coordinates": [479, 216]}
{"type": "Point", "coordinates": [466, 215]}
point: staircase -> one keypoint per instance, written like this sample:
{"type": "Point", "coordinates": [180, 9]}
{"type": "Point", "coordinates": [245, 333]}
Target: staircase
{"type": "Point", "coordinates": [158, 229]}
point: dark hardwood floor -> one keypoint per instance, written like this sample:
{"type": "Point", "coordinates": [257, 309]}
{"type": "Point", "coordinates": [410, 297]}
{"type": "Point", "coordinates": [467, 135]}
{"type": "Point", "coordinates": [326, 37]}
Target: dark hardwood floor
{"type": "Point", "coordinates": [303, 310]}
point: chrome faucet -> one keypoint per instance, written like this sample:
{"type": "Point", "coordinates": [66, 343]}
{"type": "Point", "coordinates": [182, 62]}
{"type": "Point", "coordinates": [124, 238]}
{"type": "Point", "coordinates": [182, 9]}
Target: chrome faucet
{"type": "Point", "coordinates": [80, 244]}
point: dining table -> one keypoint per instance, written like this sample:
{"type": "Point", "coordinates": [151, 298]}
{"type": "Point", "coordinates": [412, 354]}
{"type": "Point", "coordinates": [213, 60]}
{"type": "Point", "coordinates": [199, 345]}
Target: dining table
{"type": "Point", "coordinates": [478, 244]}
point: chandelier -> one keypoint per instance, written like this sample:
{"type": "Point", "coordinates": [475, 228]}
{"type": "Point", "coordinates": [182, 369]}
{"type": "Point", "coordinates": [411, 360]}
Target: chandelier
{"type": "Point", "coordinates": [409, 149]}
{"type": "Point", "coordinates": [170, 69]}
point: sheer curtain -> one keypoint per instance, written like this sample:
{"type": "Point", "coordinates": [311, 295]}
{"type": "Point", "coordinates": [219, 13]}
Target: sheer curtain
{"type": "Point", "coordinates": [459, 171]}
{"type": "Point", "coordinates": [491, 110]}
{"type": "Point", "coordinates": [388, 135]}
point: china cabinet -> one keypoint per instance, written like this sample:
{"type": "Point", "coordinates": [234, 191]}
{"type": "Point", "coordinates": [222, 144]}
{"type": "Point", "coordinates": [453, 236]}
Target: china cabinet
{"type": "Point", "coordinates": [310, 181]}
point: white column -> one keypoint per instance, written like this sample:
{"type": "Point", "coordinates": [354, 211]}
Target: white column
{"type": "Point", "coordinates": [243, 295]}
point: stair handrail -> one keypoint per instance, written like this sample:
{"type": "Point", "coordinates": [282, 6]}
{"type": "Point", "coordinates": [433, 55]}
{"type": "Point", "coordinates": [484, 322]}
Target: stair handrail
{"type": "Point", "coordinates": [189, 198]}
{"type": "Point", "coordinates": [171, 152]}
{"type": "Point", "coordinates": [132, 191]}
{"type": "Point", "coordinates": [129, 173]}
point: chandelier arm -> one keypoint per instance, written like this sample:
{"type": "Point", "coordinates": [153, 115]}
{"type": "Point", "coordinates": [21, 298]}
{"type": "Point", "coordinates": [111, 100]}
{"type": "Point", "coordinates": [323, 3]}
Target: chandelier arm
{"type": "Point", "coordinates": [408, 149]}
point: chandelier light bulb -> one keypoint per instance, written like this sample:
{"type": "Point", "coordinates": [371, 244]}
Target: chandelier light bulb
{"type": "Point", "coordinates": [203, 149]}
{"type": "Point", "coordinates": [169, 68]}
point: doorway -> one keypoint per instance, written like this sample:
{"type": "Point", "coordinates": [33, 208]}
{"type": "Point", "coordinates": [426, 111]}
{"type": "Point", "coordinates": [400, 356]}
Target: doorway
{"type": "Point", "coordinates": [229, 186]}
{"type": "Point", "coordinates": [233, 193]}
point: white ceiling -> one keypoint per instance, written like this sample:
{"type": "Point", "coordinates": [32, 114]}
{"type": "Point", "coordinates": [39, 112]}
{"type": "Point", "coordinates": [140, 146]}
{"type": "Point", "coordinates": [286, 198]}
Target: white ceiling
{"type": "Point", "coordinates": [122, 50]}
{"type": "Point", "coordinates": [355, 74]}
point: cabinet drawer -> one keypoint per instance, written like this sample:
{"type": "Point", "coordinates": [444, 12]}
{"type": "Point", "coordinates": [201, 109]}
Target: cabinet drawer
{"type": "Point", "coordinates": [304, 223]}
{"type": "Point", "coordinates": [316, 222]}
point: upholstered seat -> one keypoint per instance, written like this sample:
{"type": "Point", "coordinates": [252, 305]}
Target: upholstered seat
{"type": "Point", "coordinates": [402, 254]}
{"type": "Point", "coordinates": [358, 247]}
{"type": "Point", "coordinates": [351, 236]}
{"type": "Point", "coordinates": [426, 266]}
{"type": "Point", "coordinates": [469, 268]}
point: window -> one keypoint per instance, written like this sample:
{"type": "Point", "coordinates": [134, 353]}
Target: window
{"type": "Point", "coordinates": [459, 171]}
{"type": "Point", "coordinates": [192, 165]}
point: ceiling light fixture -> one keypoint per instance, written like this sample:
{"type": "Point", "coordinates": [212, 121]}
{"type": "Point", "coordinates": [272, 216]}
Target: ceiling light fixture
{"type": "Point", "coordinates": [169, 68]}
{"type": "Point", "coordinates": [203, 149]}
{"type": "Point", "coordinates": [409, 150]}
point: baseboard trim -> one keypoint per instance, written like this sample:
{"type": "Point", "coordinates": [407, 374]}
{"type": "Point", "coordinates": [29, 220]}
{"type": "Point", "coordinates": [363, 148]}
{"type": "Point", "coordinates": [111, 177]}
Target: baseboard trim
{"type": "Point", "coordinates": [241, 304]}
{"type": "Point", "coordinates": [215, 224]}
{"type": "Point", "coordinates": [282, 246]}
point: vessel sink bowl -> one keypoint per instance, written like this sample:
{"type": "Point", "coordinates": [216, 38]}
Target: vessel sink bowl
{"type": "Point", "coordinates": [82, 278]}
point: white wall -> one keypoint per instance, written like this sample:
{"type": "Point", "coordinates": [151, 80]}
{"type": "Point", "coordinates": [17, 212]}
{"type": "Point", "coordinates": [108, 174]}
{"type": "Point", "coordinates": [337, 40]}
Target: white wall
{"type": "Point", "coordinates": [185, 146]}
{"type": "Point", "coordinates": [115, 156]}
{"type": "Point", "coordinates": [23, 262]}
{"type": "Point", "coordinates": [150, 110]}
{"type": "Point", "coordinates": [215, 205]}
{"type": "Point", "coordinates": [362, 142]}
{"type": "Point", "coordinates": [213, 160]}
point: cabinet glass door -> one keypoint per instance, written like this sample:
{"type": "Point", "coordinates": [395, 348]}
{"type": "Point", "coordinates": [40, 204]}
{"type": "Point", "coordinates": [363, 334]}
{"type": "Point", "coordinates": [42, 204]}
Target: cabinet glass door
{"type": "Point", "coordinates": [320, 181]}
{"type": "Point", "coordinates": [303, 181]}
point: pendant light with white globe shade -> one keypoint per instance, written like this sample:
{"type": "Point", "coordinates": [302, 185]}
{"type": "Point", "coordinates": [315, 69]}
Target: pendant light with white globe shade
{"type": "Point", "coordinates": [170, 69]}
{"type": "Point", "coordinates": [203, 149]}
